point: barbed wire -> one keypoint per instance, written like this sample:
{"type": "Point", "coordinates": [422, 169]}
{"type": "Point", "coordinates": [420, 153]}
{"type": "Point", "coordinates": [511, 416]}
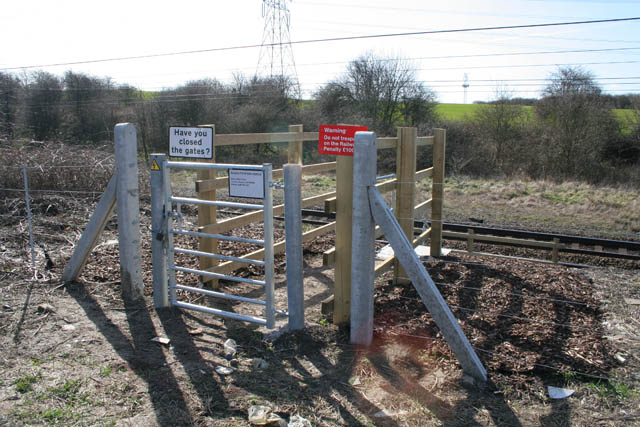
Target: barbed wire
{"type": "Point", "coordinates": [40, 167]}
{"type": "Point", "coordinates": [21, 190]}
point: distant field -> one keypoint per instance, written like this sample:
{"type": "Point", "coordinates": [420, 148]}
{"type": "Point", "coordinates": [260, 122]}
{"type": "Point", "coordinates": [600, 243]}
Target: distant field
{"type": "Point", "coordinates": [465, 112]}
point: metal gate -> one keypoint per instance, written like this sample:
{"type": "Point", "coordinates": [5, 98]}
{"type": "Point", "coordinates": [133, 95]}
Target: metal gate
{"type": "Point", "coordinates": [170, 223]}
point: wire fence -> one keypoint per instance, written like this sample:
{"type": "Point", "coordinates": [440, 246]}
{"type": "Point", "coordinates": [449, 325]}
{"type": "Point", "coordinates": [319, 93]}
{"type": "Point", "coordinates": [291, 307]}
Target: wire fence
{"type": "Point", "coordinates": [30, 226]}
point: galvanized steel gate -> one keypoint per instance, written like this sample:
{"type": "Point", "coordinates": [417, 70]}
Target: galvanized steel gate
{"type": "Point", "coordinates": [166, 223]}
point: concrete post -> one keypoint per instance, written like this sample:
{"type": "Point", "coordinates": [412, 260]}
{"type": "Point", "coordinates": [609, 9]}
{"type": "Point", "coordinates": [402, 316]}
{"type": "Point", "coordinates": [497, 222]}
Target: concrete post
{"type": "Point", "coordinates": [363, 239]}
{"type": "Point", "coordinates": [158, 254]}
{"type": "Point", "coordinates": [293, 244]}
{"type": "Point", "coordinates": [128, 209]}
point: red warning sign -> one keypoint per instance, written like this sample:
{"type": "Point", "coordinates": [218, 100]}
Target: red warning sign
{"type": "Point", "coordinates": [337, 140]}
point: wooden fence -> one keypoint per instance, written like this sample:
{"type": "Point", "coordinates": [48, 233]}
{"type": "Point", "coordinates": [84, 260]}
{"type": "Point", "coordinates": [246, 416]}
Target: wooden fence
{"type": "Point", "coordinates": [340, 201]}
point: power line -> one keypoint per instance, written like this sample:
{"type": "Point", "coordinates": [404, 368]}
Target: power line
{"type": "Point", "coordinates": [331, 39]}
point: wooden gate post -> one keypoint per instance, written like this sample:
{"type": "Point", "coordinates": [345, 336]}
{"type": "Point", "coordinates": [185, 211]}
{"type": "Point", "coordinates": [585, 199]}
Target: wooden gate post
{"type": "Point", "coordinates": [405, 189]}
{"type": "Point", "coordinates": [208, 214]}
{"type": "Point", "coordinates": [344, 204]}
{"type": "Point", "coordinates": [437, 191]}
{"type": "Point", "coordinates": [295, 147]}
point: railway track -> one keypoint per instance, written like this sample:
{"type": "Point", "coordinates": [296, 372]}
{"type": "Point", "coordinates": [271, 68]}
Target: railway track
{"type": "Point", "coordinates": [477, 234]}
{"type": "Point", "coordinates": [571, 244]}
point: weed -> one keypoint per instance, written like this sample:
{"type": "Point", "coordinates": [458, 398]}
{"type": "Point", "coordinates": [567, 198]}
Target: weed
{"type": "Point", "coordinates": [54, 416]}
{"type": "Point", "coordinates": [611, 390]}
{"type": "Point", "coordinates": [105, 372]}
{"type": "Point", "coordinates": [69, 391]}
{"type": "Point", "coordinates": [323, 322]}
{"type": "Point", "coordinates": [23, 384]}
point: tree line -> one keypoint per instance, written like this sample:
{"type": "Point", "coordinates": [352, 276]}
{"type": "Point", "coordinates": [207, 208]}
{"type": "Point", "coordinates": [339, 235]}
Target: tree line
{"type": "Point", "coordinates": [570, 132]}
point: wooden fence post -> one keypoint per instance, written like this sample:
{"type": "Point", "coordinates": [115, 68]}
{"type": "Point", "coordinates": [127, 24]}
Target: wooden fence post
{"type": "Point", "coordinates": [208, 214]}
{"type": "Point", "coordinates": [405, 189]}
{"type": "Point", "coordinates": [437, 191]}
{"type": "Point", "coordinates": [344, 204]}
{"type": "Point", "coordinates": [295, 147]}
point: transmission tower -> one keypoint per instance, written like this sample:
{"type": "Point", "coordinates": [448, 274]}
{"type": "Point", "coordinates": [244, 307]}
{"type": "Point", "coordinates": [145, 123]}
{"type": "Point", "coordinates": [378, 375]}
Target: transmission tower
{"type": "Point", "coordinates": [276, 54]}
{"type": "Point", "coordinates": [465, 85]}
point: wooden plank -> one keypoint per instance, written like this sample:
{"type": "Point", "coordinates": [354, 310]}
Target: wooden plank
{"type": "Point", "coordinates": [230, 266]}
{"type": "Point", "coordinates": [422, 237]}
{"type": "Point", "coordinates": [330, 205]}
{"type": "Point", "coordinates": [242, 220]}
{"type": "Point", "coordinates": [386, 186]}
{"type": "Point", "coordinates": [405, 187]}
{"type": "Point", "coordinates": [426, 203]}
{"type": "Point", "coordinates": [342, 275]}
{"type": "Point", "coordinates": [424, 173]}
{"type": "Point", "coordinates": [294, 153]}
{"type": "Point", "coordinates": [318, 167]}
{"type": "Point", "coordinates": [327, 305]}
{"type": "Point", "coordinates": [387, 142]}
{"type": "Point", "coordinates": [437, 191]}
{"type": "Point", "coordinates": [91, 233]}
{"type": "Point", "coordinates": [426, 288]}
{"type": "Point", "coordinates": [384, 266]}
{"type": "Point", "coordinates": [223, 182]}
{"type": "Point", "coordinates": [329, 257]}
{"type": "Point", "coordinates": [497, 239]}
{"type": "Point", "coordinates": [554, 253]}
{"type": "Point", "coordinates": [422, 141]}
{"type": "Point", "coordinates": [263, 138]}
{"type": "Point", "coordinates": [208, 214]}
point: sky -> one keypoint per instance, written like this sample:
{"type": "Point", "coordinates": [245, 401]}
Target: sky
{"type": "Point", "coordinates": [514, 61]}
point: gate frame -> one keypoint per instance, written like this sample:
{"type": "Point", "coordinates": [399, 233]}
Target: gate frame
{"type": "Point", "coordinates": [164, 267]}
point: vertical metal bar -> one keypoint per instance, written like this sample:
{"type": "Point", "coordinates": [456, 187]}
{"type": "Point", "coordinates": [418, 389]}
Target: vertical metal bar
{"type": "Point", "coordinates": [166, 172]}
{"type": "Point", "coordinates": [293, 244]}
{"type": "Point", "coordinates": [158, 232]}
{"type": "Point", "coordinates": [268, 245]}
{"type": "Point", "coordinates": [179, 212]}
{"type": "Point", "coordinates": [28, 207]}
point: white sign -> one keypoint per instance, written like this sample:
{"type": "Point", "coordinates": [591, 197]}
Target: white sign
{"type": "Point", "coordinates": [246, 183]}
{"type": "Point", "coordinates": [191, 142]}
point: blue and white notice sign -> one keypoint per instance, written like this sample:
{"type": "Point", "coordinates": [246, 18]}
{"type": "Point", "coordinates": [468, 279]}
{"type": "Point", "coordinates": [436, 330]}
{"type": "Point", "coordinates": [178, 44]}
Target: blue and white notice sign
{"type": "Point", "coordinates": [191, 142]}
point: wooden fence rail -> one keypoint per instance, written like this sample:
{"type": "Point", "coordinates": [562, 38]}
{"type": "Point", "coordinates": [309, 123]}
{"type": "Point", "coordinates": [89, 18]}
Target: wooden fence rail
{"type": "Point", "coordinates": [339, 201]}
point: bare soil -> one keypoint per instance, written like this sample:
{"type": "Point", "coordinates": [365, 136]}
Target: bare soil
{"type": "Point", "coordinates": [77, 354]}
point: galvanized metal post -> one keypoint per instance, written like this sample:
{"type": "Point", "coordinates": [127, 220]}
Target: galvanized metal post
{"type": "Point", "coordinates": [167, 226]}
{"type": "Point", "coordinates": [158, 234]}
{"type": "Point", "coordinates": [293, 244]}
{"type": "Point", "coordinates": [363, 239]}
{"type": "Point", "coordinates": [28, 207]}
{"type": "Point", "coordinates": [268, 245]}
{"type": "Point", "coordinates": [128, 208]}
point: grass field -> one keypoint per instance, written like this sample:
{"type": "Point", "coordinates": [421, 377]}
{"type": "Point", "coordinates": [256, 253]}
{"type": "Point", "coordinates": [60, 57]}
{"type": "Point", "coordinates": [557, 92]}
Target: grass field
{"type": "Point", "coordinates": [465, 112]}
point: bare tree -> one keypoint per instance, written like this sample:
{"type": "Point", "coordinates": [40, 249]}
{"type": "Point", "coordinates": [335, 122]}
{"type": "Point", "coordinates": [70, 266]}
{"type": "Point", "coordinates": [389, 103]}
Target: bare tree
{"type": "Point", "coordinates": [577, 122]}
{"type": "Point", "coordinates": [378, 92]}
{"type": "Point", "coordinates": [10, 91]}
{"type": "Point", "coordinates": [43, 105]}
{"type": "Point", "coordinates": [499, 125]}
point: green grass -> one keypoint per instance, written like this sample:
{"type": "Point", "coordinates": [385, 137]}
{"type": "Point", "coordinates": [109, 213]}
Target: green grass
{"type": "Point", "coordinates": [459, 112]}
{"type": "Point", "coordinates": [611, 390]}
{"type": "Point", "coordinates": [24, 384]}
{"type": "Point", "coordinates": [465, 112]}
